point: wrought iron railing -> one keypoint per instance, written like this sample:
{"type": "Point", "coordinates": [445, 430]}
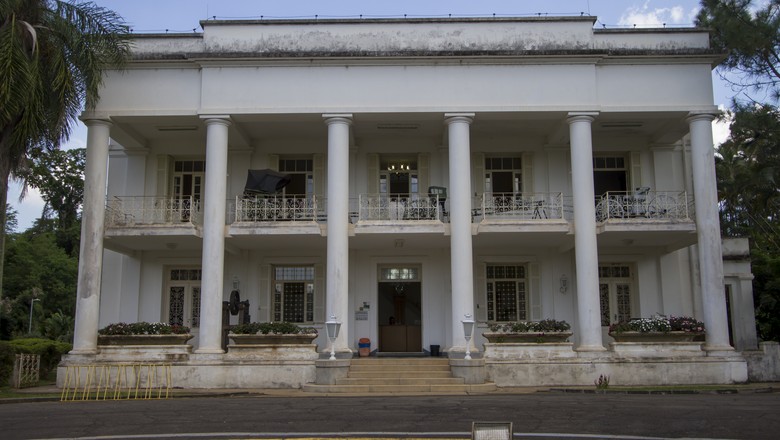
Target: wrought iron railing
{"type": "Point", "coordinates": [276, 208]}
{"type": "Point", "coordinates": [143, 210]}
{"type": "Point", "coordinates": [661, 205]}
{"type": "Point", "coordinates": [521, 206]}
{"type": "Point", "coordinates": [399, 207]}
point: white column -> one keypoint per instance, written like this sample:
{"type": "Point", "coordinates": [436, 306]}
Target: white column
{"type": "Point", "coordinates": [213, 266]}
{"type": "Point", "coordinates": [461, 259]}
{"type": "Point", "coordinates": [708, 232]}
{"type": "Point", "coordinates": [337, 284]}
{"type": "Point", "coordinates": [92, 229]}
{"type": "Point", "coordinates": [585, 249]}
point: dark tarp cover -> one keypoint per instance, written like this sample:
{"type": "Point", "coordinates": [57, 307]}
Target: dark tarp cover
{"type": "Point", "coordinates": [265, 181]}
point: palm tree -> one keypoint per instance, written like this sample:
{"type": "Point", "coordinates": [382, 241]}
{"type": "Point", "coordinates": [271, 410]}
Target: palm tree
{"type": "Point", "coordinates": [52, 57]}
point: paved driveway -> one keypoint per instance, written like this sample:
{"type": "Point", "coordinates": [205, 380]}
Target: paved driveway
{"type": "Point", "coordinates": [743, 415]}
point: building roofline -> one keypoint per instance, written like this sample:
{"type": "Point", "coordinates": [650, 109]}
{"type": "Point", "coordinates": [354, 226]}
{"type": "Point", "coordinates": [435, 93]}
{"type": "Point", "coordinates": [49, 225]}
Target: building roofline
{"type": "Point", "coordinates": [319, 21]}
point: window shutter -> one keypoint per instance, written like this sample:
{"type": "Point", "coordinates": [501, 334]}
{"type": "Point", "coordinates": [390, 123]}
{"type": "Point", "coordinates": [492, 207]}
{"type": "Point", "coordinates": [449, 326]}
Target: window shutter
{"type": "Point", "coordinates": [528, 173]}
{"type": "Point", "coordinates": [423, 167]}
{"type": "Point", "coordinates": [265, 303]}
{"type": "Point", "coordinates": [478, 167]}
{"type": "Point", "coordinates": [636, 170]}
{"type": "Point", "coordinates": [273, 162]}
{"type": "Point", "coordinates": [164, 168]}
{"type": "Point", "coordinates": [373, 173]}
{"type": "Point", "coordinates": [319, 293]}
{"type": "Point", "coordinates": [534, 290]}
{"type": "Point", "coordinates": [319, 174]}
{"type": "Point", "coordinates": [481, 292]}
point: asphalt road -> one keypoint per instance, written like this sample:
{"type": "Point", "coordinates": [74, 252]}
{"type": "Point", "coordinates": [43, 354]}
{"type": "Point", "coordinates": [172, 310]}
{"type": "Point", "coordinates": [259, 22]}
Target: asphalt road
{"type": "Point", "coordinates": [743, 416]}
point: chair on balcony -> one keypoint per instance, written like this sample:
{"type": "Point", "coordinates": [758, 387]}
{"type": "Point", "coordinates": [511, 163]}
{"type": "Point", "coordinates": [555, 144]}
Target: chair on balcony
{"type": "Point", "coordinates": [441, 193]}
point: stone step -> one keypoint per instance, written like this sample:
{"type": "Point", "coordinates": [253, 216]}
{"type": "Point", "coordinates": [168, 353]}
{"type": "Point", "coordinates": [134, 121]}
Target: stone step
{"type": "Point", "coordinates": [401, 381]}
{"type": "Point", "coordinates": [401, 361]}
{"type": "Point", "coordinates": [399, 373]}
{"type": "Point", "coordinates": [395, 368]}
{"type": "Point", "coordinates": [401, 389]}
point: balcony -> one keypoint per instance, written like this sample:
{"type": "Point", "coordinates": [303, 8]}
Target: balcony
{"type": "Point", "coordinates": [124, 212]}
{"type": "Point", "coordinates": [642, 204]}
{"type": "Point", "coordinates": [645, 218]}
{"type": "Point", "coordinates": [276, 209]}
{"type": "Point", "coordinates": [153, 223]}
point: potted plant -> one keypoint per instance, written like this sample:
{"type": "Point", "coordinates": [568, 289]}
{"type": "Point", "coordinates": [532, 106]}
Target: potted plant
{"type": "Point", "coordinates": [546, 330]}
{"type": "Point", "coordinates": [658, 328]}
{"type": "Point", "coordinates": [143, 333]}
{"type": "Point", "coordinates": [270, 333]}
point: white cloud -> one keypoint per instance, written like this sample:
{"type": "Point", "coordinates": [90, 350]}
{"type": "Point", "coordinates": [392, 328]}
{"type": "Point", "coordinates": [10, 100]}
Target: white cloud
{"type": "Point", "coordinates": [720, 127]}
{"type": "Point", "coordinates": [644, 16]}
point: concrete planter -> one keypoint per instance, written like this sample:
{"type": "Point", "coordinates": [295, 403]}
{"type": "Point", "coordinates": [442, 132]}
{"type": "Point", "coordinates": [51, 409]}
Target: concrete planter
{"type": "Point", "coordinates": [178, 339]}
{"type": "Point", "coordinates": [527, 337]}
{"type": "Point", "coordinates": [676, 336]}
{"type": "Point", "coordinates": [272, 339]}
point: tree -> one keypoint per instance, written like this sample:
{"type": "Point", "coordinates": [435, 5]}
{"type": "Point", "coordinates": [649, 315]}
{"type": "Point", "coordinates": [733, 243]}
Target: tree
{"type": "Point", "coordinates": [52, 57]}
{"type": "Point", "coordinates": [748, 35]}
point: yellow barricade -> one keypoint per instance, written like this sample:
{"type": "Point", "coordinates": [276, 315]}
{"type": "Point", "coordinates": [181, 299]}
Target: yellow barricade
{"type": "Point", "coordinates": [116, 382]}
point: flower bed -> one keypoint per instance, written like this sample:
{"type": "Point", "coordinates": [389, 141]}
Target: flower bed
{"type": "Point", "coordinates": [268, 333]}
{"type": "Point", "coordinates": [547, 330]}
{"type": "Point", "coordinates": [143, 333]}
{"type": "Point", "coordinates": [658, 328]}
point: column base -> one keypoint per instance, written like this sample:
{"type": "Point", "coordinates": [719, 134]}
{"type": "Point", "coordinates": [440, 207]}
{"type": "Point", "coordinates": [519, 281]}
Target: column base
{"type": "Point", "coordinates": [209, 351]}
{"type": "Point", "coordinates": [720, 350]}
{"type": "Point", "coordinates": [590, 350]}
{"type": "Point", "coordinates": [84, 352]}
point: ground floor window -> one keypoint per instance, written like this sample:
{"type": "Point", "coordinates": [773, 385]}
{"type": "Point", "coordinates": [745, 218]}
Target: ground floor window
{"type": "Point", "coordinates": [183, 296]}
{"type": "Point", "coordinates": [615, 284]}
{"type": "Point", "coordinates": [507, 298]}
{"type": "Point", "coordinates": [293, 299]}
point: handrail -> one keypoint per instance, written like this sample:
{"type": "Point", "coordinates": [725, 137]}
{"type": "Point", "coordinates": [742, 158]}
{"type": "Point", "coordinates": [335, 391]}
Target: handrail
{"type": "Point", "coordinates": [660, 205]}
{"type": "Point", "coordinates": [126, 211]}
{"type": "Point", "coordinates": [400, 207]}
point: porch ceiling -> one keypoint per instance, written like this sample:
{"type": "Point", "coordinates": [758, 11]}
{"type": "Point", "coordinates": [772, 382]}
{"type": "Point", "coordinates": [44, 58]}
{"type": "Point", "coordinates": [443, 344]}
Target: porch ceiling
{"type": "Point", "coordinates": [550, 128]}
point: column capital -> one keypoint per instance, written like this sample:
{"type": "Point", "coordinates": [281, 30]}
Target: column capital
{"type": "Point", "coordinates": [337, 118]}
{"type": "Point", "coordinates": [706, 115]}
{"type": "Point", "coordinates": [93, 121]}
{"type": "Point", "coordinates": [449, 118]}
{"type": "Point", "coordinates": [581, 117]}
{"type": "Point", "coordinates": [216, 119]}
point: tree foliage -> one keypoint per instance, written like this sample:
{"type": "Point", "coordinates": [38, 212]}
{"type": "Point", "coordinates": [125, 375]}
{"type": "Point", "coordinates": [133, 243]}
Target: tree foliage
{"type": "Point", "coordinates": [748, 163]}
{"type": "Point", "coordinates": [748, 35]}
{"type": "Point", "coordinates": [52, 57]}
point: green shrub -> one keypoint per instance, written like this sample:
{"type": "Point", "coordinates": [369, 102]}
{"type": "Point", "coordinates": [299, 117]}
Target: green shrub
{"type": "Point", "coordinates": [6, 362]}
{"type": "Point", "coordinates": [51, 351]}
{"type": "Point", "coordinates": [276, 328]}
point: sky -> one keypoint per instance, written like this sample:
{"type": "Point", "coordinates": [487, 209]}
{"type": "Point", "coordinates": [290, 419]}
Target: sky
{"type": "Point", "coordinates": [149, 16]}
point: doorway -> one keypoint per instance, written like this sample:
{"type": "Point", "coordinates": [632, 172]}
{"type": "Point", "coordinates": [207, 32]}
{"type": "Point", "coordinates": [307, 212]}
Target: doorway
{"type": "Point", "coordinates": [400, 312]}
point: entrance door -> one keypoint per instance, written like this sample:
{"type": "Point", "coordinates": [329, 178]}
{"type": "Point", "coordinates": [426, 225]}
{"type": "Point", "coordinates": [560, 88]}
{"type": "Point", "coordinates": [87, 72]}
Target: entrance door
{"type": "Point", "coordinates": [615, 291]}
{"type": "Point", "coordinates": [400, 311]}
{"type": "Point", "coordinates": [183, 298]}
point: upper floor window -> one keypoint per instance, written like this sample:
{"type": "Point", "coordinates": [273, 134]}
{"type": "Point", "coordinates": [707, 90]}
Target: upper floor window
{"type": "Point", "coordinates": [301, 171]}
{"type": "Point", "coordinates": [610, 173]}
{"type": "Point", "coordinates": [398, 176]}
{"type": "Point", "coordinates": [293, 298]}
{"type": "Point", "coordinates": [188, 178]}
{"type": "Point", "coordinates": [503, 175]}
{"type": "Point", "coordinates": [507, 298]}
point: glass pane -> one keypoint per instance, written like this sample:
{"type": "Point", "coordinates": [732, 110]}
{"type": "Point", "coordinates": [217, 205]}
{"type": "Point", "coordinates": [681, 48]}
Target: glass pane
{"type": "Point", "coordinates": [196, 306]}
{"type": "Point", "coordinates": [506, 301]}
{"type": "Point", "coordinates": [294, 302]}
{"type": "Point", "coordinates": [522, 302]}
{"type": "Point", "coordinates": [604, 302]}
{"type": "Point", "coordinates": [623, 302]}
{"type": "Point", "coordinates": [176, 305]}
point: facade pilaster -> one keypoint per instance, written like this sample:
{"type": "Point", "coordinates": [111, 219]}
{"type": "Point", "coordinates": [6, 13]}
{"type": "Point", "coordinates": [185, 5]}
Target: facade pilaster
{"type": "Point", "coordinates": [708, 232]}
{"type": "Point", "coordinates": [585, 249]}
{"type": "Point", "coordinates": [337, 276]}
{"type": "Point", "coordinates": [214, 204]}
{"type": "Point", "coordinates": [461, 258]}
{"type": "Point", "coordinates": [92, 230]}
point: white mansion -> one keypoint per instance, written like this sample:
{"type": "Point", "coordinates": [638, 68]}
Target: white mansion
{"type": "Point", "coordinates": [400, 174]}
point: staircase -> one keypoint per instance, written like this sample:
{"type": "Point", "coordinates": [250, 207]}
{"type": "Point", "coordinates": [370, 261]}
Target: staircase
{"type": "Point", "coordinates": [400, 376]}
